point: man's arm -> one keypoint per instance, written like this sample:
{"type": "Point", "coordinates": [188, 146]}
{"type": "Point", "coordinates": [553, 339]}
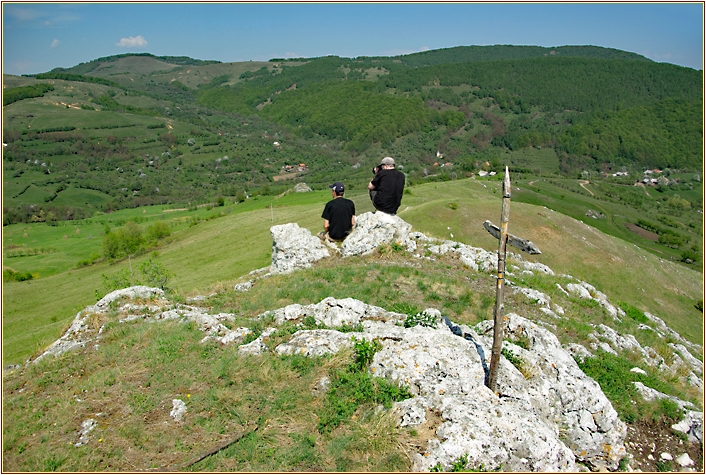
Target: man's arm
{"type": "Point", "coordinates": [326, 224]}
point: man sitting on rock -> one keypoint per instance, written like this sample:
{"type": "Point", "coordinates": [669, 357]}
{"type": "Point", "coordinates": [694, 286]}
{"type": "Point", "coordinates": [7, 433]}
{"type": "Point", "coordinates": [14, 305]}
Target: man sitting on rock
{"type": "Point", "coordinates": [386, 187]}
{"type": "Point", "coordinates": [339, 215]}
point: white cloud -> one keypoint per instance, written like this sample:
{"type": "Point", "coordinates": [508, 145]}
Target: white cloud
{"type": "Point", "coordinates": [132, 41]}
{"type": "Point", "coordinates": [424, 48]}
{"type": "Point", "coordinates": [290, 54]}
{"type": "Point", "coordinates": [23, 14]}
{"type": "Point", "coordinates": [55, 43]}
{"type": "Point", "coordinates": [36, 16]}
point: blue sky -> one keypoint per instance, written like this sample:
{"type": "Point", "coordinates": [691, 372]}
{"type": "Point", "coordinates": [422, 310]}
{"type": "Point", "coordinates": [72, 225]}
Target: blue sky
{"type": "Point", "coordinates": [39, 37]}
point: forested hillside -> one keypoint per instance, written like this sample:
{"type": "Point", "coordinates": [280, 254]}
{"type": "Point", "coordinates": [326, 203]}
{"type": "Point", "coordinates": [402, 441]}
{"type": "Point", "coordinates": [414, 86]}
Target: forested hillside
{"type": "Point", "coordinates": [139, 129]}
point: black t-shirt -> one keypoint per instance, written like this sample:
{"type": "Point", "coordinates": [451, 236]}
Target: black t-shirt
{"type": "Point", "coordinates": [339, 212]}
{"type": "Point", "coordinates": [389, 185]}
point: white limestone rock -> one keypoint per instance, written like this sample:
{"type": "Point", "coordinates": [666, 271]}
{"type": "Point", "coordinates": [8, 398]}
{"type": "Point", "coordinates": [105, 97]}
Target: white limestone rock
{"type": "Point", "coordinates": [692, 426]}
{"type": "Point", "coordinates": [87, 427]}
{"type": "Point", "coordinates": [259, 345]}
{"type": "Point", "coordinates": [536, 267]}
{"type": "Point", "coordinates": [243, 286]}
{"type": "Point", "coordinates": [692, 362]}
{"type": "Point", "coordinates": [684, 460]}
{"type": "Point", "coordinates": [538, 297]}
{"type": "Point", "coordinates": [294, 248]}
{"type": "Point", "coordinates": [81, 332]}
{"type": "Point", "coordinates": [475, 258]}
{"type": "Point", "coordinates": [587, 291]}
{"type": "Point", "coordinates": [373, 229]}
{"type": "Point", "coordinates": [315, 343]}
{"type": "Point", "coordinates": [650, 394]}
{"type": "Point", "coordinates": [135, 292]}
{"type": "Point", "coordinates": [178, 410]}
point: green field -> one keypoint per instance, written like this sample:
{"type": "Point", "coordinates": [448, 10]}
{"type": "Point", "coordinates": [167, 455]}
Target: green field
{"type": "Point", "coordinates": [230, 241]}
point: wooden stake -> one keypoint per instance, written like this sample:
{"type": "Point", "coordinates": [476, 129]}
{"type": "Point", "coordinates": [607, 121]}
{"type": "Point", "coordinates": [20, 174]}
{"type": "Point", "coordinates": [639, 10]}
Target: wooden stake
{"type": "Point", "coordinates": [251, 428]}
{"type": "Point", "coordinates": [499, 314]}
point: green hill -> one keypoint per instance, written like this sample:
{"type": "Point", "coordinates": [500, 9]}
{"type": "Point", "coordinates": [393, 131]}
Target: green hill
{"type": "Point", "coordinates": [137, 366]}
{"type": "Point", "coordinates": [214, 247]}
{"type": "Point", "coordinates": [141, 130]}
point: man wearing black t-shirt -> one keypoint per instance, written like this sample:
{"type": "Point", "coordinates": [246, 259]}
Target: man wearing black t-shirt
{"type": "Point", "coordinates": [339, 215]}
{"type": "Point", "coordinates": [386, 187]}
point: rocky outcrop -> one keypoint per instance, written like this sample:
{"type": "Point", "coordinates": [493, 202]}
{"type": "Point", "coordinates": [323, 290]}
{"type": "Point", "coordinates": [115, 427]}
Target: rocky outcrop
{"type": "Point", "coordinates": [294, 248]}
{"type": "Point", "coordinates": [545, 418]}
{"type": "Point", "coordinates": [373, 229]}
{"type": "Point", "coordinates": [301, 188]}
{"type": "Point", "coordinates": [587, 291]}
{"type": "Point", "coordinates": [81, 331]}
{"type": "Point", "coordinates": [546, 415]}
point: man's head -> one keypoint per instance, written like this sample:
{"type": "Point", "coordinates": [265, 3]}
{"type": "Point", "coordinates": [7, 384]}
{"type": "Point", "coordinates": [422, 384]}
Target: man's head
{"type": "Point", "coordinates": [388, 162]}
{"type": "Point", "coordinates": [337, 188]}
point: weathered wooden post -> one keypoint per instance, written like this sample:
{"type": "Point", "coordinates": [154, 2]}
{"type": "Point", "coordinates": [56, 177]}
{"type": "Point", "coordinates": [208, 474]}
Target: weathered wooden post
{"type": "Point", "coordinates": [499, 313]}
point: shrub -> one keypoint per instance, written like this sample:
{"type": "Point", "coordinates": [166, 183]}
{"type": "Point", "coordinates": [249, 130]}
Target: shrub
{"type": "Point", "coordinates": [364, 353]}
{"type": "Point", "coordinates": [512, 358]}
{"type": "Point", "coordinates": [404, 307]}
{"type": "Point", "coordinates": [155, 274]}
{"type": "Point", "coordinates": [158, 230]}
{"type": "Point", "coordinates": [123, 242]}
{"type": "Point", "coordinates": [633, 312]}
{"type": "Point", "coordinates": [424, 319]}
{"type": "Point", "coordinates": [119, 280]}
{"type": "Point", "coordinates": [9, 275]}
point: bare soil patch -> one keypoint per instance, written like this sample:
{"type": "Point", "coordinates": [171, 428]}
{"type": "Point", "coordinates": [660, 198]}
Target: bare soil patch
{"type": "Point", "coordinates": [288, 176]}
{"type": "Point", "coordinates": [642, 232]}
{"type": "Point", "coordinates": [646, 442]}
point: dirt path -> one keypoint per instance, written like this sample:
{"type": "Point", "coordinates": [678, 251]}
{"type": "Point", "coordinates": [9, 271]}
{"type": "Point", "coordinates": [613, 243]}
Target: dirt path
{"type": "Point", "coordinates": [583, 184]}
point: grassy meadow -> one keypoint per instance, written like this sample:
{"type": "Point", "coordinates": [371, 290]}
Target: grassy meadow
{"type": "Point", "coordinates": [130, 379]}
{"type": "Point", "coordinates": [211, 248]}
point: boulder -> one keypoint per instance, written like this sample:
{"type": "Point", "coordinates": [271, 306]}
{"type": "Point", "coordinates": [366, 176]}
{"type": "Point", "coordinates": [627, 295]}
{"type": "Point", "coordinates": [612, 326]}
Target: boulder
{"type": "Point", "coordinates": [473, 257]}
{"type": "Point", "coordinates": [374, 229]}
{"type": "Point", "coordinates": [294, 247]}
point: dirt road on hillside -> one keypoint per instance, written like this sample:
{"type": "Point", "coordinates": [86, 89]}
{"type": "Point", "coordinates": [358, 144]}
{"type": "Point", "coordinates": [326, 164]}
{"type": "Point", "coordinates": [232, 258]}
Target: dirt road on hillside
{"type": "Point", "coordinates": [583, 184]}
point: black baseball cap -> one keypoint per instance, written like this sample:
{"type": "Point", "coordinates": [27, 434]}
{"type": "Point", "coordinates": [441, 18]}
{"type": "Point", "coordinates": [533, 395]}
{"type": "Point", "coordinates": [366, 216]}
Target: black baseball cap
{"type": "Point", "coordinates": [337, 187]}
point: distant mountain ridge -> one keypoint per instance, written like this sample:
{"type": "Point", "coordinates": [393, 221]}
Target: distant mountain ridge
{"type": "Point", "coordinates": [456, 54]}
{"type": "Point", "coordinates": [460, 54]}
{"type": "Point", "coordinates": [90, 66]}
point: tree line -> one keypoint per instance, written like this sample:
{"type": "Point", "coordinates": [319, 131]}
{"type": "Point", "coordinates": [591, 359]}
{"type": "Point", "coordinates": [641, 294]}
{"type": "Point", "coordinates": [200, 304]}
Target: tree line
{"type": "Point", "coordinates": [15, 94]}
